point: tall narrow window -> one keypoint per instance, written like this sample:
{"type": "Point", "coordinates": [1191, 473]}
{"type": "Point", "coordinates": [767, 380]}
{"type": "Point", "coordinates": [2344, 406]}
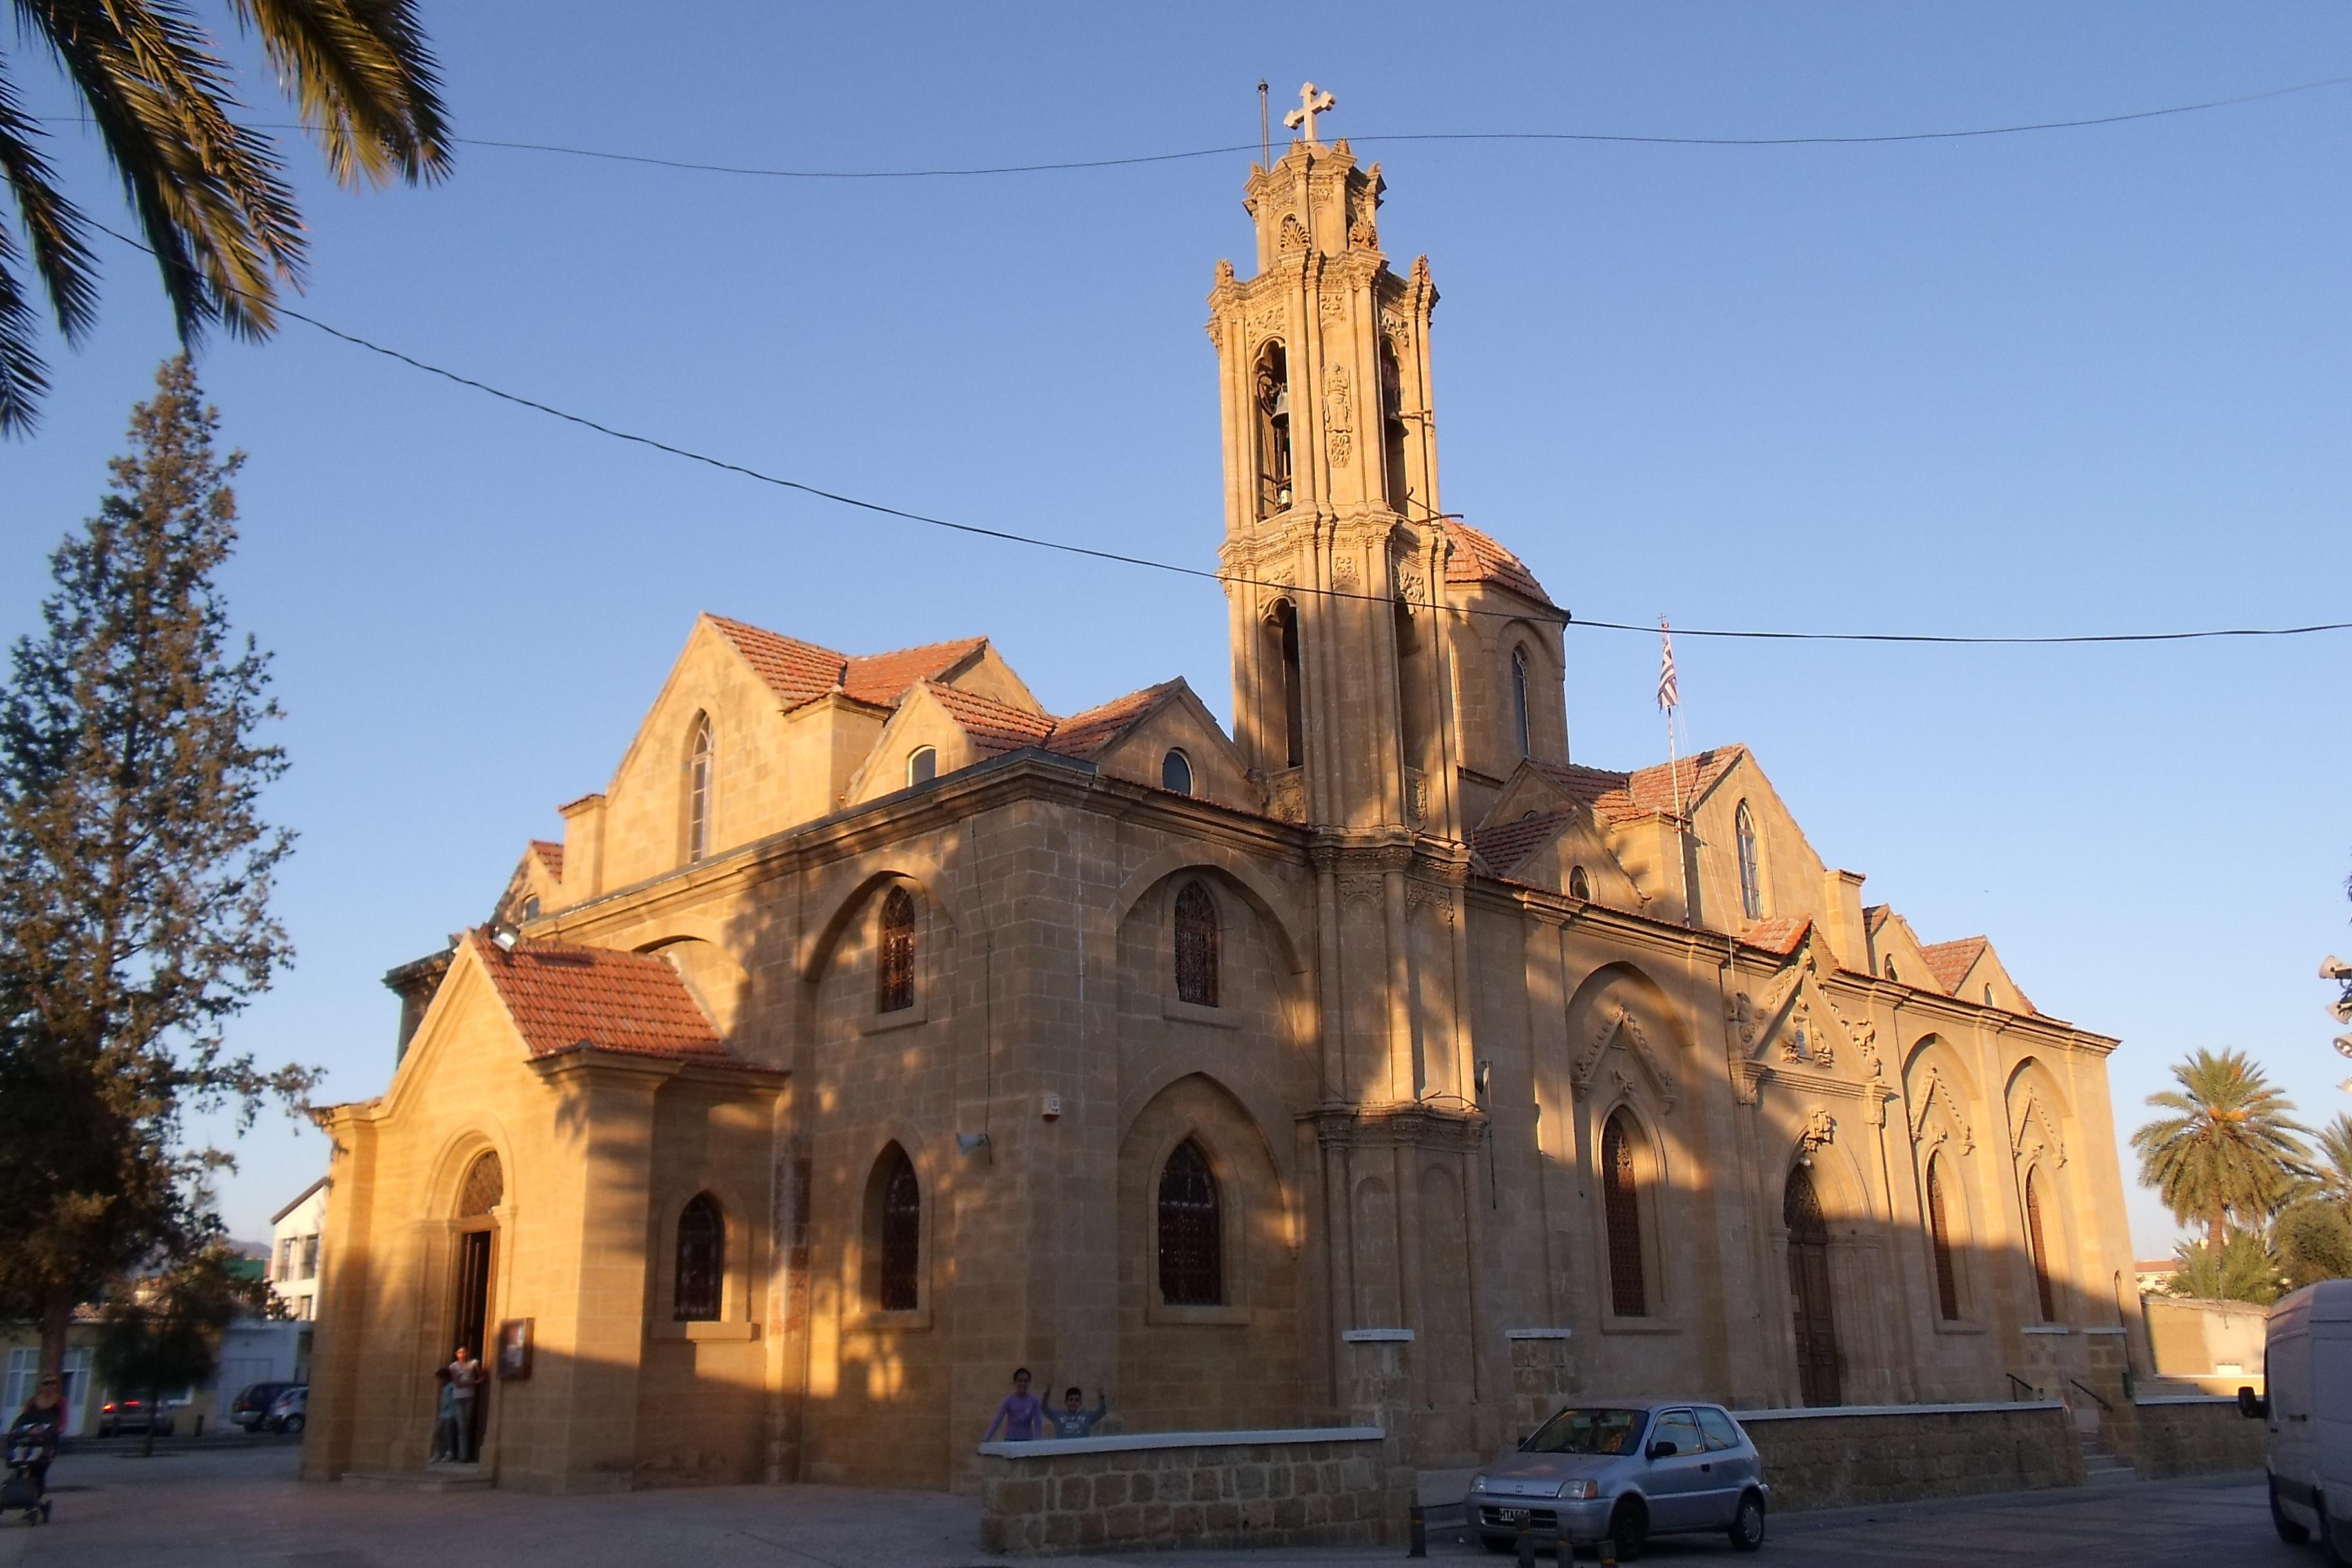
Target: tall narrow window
{"type": "Point", "coordinates": [922, 765]}
{"type": "Point", "coordinates": [1948, 1283]}
{"type": "Point", "coordinates": [1416, 696]}
{"type": "Point", "coordinates": [900, 1243]}
{"type": "Point", "coordinates": [701, 1261]}
{"type": "Point", "coordinates": [1196, 946]}
{"type": "Point", "coordinates": [1270, 394]}
{"type": "Point", "coordinates": [1751, 881]}
{"type": "Point", "coordinates": [1988, 1001]}
{"type": "Point", "coordinates": [1392, 427]}
{"type": "Point", "coordinates": [1519, 702]}
{"type": "Point", "coordinates": [895, 970]}
{"type": "Point", "coordinates": [1191, 1243]}
{"type": "Point", "coordinates": [698, 793]}
{"type": "Point", "coordinates": [2040, 1251]}
{"type": "Point", "coordinates": [1890, 971]}
{"type": "Point", "coordinates": [1622, 1208]}
{"type": "Point", "coordinates": [1283, 631]}
{"type": "Point", "coordinates": [1176, 772]}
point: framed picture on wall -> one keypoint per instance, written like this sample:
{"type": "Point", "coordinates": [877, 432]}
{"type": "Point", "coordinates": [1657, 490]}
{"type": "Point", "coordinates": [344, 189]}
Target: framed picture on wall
{"type": "Point", "coordinates": [514, 1348]}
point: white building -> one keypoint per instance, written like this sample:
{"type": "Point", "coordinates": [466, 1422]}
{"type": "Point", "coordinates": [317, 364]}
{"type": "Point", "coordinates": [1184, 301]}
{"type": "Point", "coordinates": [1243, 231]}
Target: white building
{"type": "Point", "coordinates": [294, 1243]}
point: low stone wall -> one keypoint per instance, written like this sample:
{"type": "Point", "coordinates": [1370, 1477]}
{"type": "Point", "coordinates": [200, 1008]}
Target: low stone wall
{"type": "Point", "coordinates": [1327, 1486]}
{"type": "Point", "coordinates": [2191, 1434]}
{"type": "Point", "coordinates": [1864, 1454]}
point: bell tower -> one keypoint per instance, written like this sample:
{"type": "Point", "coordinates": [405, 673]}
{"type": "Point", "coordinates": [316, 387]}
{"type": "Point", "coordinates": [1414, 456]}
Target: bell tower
{"type": "Point", "coordinates": [1333, 549]}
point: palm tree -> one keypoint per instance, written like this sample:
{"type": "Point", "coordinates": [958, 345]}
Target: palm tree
{"type": "Point", "coordinates": [209, 194]}
{"type": "Point", "coordinates": [2334, 1163]}
{"type": "Point", "coordinates": [2231, 1145]}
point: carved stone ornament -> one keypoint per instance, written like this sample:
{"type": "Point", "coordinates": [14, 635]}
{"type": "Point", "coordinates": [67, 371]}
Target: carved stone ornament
{"type": "Point", "coordinates": [1340, 417]}
{"type": "Point", "coordinates": [1439, 901]}
{"type": "Point", "coordinates": [1343, 565]}
{"type": "Point", "coordinates": [1931, 1087]}
{"type": "Point", "coordinates": [1294, 233]}
{"type": "Point", "coordinates": [1740, 1011]}
{"type": "Point", "coordinates": [1225, 272]}
{"type": "Point", "coordinates": [1285, 797]}
{"type": "Point", "coordinates": [1334, 307]}
{"type": "Point", "coordinates": [1618, 1024]}
{"type": "Point", "coordinates": [1366, 889]}
{"type": "Point", "coordinates": [1794, 1046]}
{"type": "Point", "coordinates": [1416, 796]}
{"type": "Point", "coordinates": [2037, 1132]}
{"type": "Point", "coordinates": [1264, 320]}
{"type": "Point", "coordinates": [1821, 1128]}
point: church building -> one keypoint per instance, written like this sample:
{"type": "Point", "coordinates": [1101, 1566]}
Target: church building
{"type": "Point", "coordinates": [875, 1031]}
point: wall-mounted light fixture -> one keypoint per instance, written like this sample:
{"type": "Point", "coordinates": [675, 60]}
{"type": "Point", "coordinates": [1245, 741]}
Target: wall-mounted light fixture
{"type": "Point", "coordinates": [969, 1142]}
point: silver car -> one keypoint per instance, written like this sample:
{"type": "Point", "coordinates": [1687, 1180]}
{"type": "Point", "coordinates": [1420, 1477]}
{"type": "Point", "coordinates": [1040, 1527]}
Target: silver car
{"type": "Point", "coordinates": [1624, 1471]}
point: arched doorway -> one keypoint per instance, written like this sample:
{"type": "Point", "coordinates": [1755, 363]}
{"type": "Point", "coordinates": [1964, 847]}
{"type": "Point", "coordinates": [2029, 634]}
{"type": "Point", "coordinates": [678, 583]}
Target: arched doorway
{"type": "Point", "coordinates": [476, 1226]}
{"type": "Point", "coordinates": [1809, 1290]}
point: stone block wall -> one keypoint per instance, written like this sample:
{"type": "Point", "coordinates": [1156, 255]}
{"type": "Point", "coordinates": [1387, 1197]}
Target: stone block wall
{"type": "Point", "coordinates": [1314, 1487]}
{"type": "Point", "coordinates": [2192, 1435]}
{"type": "Point", "coordinates": [1826, 1458]}
{"type": "Point", "coordinates": [1543, 1377]}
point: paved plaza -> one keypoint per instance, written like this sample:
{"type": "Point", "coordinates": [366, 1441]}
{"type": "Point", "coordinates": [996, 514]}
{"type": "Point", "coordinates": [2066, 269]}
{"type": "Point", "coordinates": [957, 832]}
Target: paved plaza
{"type": "Point", "coordinates": [239, 1506]}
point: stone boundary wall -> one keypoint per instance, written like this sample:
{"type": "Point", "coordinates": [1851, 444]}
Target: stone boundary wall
{"type": "Point", "coordinates": [1865, 1454]}
{"type": "Point", "coordinates": [1327, 1486]}
{"type": "Point", "coordinates": [2191, 1434]}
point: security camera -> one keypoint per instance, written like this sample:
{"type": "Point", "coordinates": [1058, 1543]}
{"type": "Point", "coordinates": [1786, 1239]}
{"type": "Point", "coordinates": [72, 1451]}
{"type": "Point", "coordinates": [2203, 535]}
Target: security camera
{"type": "Point", "coordinates": [2334, 968]}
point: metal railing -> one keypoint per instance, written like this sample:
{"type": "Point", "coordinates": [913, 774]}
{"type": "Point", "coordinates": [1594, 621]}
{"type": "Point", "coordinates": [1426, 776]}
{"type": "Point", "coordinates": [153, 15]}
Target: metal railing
{"type": "Point", "coordinates": [2025, 1387]}
{"type": "Point", "coordinates": [2094, 1394]}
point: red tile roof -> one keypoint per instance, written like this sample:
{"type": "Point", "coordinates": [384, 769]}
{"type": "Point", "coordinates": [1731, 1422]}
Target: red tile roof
{"type": "Point", "coordinates": [550, 855]}
{"type": "Point", "coordinates": [1504, 845]}
{"type": "Point", "coordinates": [994, 727]}
{"type": "Point", "coordinates": [884, 677]}
{"type": "Point", "coordinates": [564, 997]}
{"type": "Point", "coordinates": [1949, 960]}
{"type": "Point", "coordinates": [796, 671]}
{"type": "Point", "coordinates": [1623, 795]}
{"type": "Point", "coordinates": [1092, 732]}
{"type": "Point", "coordinates": [1480, 557]}
{"type": "Point", "coordinates": [1782, 935]}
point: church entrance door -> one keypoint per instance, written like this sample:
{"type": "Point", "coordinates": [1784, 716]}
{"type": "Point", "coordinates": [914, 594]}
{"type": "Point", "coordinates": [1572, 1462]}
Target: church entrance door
{"type": "Point", "coordinates": [1809, 1290]}
{"type": "Point", "coordinates": [478, 1197]}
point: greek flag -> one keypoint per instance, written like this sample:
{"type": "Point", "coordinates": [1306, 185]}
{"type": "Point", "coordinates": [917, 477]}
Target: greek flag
{"type": "Point", "coordinates": [1670, 695]}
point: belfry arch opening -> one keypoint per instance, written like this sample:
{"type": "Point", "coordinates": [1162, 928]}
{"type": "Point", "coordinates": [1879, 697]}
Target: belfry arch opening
{"type": "Point", "coordinates": [1282, 635]}
{"type": "Point", "coordinates": [1270, 391]}
{"type": "Point", "coordinates": [1393, 429]}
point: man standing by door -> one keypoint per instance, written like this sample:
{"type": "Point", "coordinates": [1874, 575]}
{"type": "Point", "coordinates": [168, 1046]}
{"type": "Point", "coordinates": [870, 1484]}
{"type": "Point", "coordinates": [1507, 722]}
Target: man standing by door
{"type": "Point", "coordinates": [466, 1377]}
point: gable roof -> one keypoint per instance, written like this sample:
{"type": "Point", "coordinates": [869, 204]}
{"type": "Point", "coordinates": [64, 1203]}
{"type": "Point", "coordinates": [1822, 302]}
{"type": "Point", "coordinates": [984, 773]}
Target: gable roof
{"type": "Point", "coordinates": [799, 672]}
{"type": "Point", "coordinates": [1504, 845]}
{"type": "Point", "coordinates": [1949, 962]}
{"type": "Point", "coordinates": [883, 679]}
{"type": "Point", "coordinates": [564, 997]}
{"type": "Point", "coordinates": [300, 1199]}
{"type": "Point", "coordinates": [1646, 791]}
{"type": "Point", "coordinates": [1094, 732]}
{"type": "Point", "coordinates": [1782, 935]}
{"type": "Point", "coordinates": [550, 855]}
{"type": "Point", "coordinates": [1480, 557]}
{"type": "Point", "coordinates": [994, 727]}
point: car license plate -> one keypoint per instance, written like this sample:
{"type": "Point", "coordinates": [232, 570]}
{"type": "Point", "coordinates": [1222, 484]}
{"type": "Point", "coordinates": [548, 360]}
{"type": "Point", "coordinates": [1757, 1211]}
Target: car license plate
{"type": "Point", "coordinates": [1513, 1515]}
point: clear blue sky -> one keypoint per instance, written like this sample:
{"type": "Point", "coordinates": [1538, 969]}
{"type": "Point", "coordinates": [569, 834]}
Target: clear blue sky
{"type": "Point", "coordinates": [2089, 380]}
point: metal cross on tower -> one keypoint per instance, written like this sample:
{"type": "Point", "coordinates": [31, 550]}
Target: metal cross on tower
{"type": "Point", "coordinates": [1312, 102]}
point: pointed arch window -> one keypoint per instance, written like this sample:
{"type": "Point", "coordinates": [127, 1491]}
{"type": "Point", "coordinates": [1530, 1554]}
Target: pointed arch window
{"type": "Point", "coordinates": [1751, 879]}
{"type": "Point", "coordinates": [1519, 716]}
{"type": "Point", "coordinates": [898, 1238]}
{"type": "Point", "coordinates": [1890, 971]}
{"type": "Point", "coordinates": [1191, 1240]}
{"type": "Point", "coordinates": [701, 1261]}
{"type": "Point", "coordinates": [895, 966]}
{"type": "Point", "coordinates": [1939, 1236]}
{"type": "Point", "coordinates": [1282, 629]}
{"type": "Point", "coordinates": [698, 791]}
{"type": "Point", "coordinates": [1392, 433]}
{"type": "Point", "coordinates": [1197, 939]}
{"type": "Point", "coordinates": [1621, 1211]}
{"type": "Point", "coordinates": [2033, 1237]}
{"type": "Point", "coordinates": [1580, 886]}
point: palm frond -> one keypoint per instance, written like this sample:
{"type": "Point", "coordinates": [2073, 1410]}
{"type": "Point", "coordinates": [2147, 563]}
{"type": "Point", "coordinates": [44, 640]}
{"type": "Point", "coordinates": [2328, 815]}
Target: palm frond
{"type": "Point", "coordinates": [23, 377]}
{"type": "Point", "coordinates": [364, 81]}
{"type": "Point", "coordinates": [52, 225]}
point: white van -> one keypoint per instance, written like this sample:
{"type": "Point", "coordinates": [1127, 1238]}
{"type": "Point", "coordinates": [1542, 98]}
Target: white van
{"type": "Point", "coordinates": [2307, 1405]}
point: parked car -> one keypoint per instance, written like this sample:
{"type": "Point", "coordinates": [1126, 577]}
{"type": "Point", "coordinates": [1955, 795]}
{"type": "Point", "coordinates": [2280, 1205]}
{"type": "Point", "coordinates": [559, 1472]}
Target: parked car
{"type": "Point", "coordinates": [2306, 1403]}
{"type": "Point", "coordinates": [250, 1409]}
{"type": "Point", "coordinates": [117, 1416]}
{"type": "Point", "coordinates": [289, 1409]}
{"type": "Point", "coordinates": [1624, 1471]}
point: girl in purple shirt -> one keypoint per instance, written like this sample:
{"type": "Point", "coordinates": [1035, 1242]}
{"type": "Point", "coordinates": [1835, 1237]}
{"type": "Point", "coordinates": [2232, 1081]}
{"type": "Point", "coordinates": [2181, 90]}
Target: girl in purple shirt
{"type": "Point", "coordinates": [1020, 1414]}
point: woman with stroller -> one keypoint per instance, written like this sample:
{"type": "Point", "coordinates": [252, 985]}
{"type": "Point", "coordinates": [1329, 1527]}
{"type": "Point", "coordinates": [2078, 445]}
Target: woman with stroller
{"type": "Point", "coordinates": [32, 1439]}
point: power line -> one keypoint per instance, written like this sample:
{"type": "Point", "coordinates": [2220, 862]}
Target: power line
{"type": "Point", "coordinates": [1621, 138]}
{"type": "Point", "coordinates": [1064, 547]}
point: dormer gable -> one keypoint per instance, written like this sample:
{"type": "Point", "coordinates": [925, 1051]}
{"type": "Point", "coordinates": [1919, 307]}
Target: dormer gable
{"type": "Point", "coordinates": [1133, 737]}
{"type": "Point", "coordinates": [1971, 971]}
{"type": "Point", "coordinates": [1896, 953]}
{"type": "Point", "coordinates": [536, 886]}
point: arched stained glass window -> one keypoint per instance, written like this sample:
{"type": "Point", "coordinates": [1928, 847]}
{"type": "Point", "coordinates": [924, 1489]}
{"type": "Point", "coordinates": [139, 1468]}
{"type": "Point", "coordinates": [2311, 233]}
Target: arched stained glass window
{"type": "Point", "coordinates": [1621, 1209]}
{"type": "Point", "coordinates": [701, 1260]}
{"type": "Point", "coordinates": [698, 792]}
{"type": "Point", "coordinates": [1196, 945]}
{"type": "Point", "coordinates": [1176, 772]}
{"type": "Point", "coordinates": [895, 968]}
{"type": "Point", "coordinates": [1751, 879]}
{"type": "Point", "coordinates": [1191, 1240]}
{"type": "Point", "coordinates": [1522, 727]}
{"type": "Point", "coordinates": [2033, 1237]}
{"type": "Point", "coordinates": [900, 1244]}
{"type": "Point", "coordinates": [1948, 1282]}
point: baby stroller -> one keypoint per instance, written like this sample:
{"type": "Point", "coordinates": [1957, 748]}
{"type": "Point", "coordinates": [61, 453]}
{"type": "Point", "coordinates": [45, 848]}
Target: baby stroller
{"type": "Point", "coordinates": [31, 1446]}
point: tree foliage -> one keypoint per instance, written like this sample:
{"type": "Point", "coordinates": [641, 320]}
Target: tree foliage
{"type": "Point", "coordinates": [2232, 1147]}
{"type": "Point", "coordinates": [134, 918]}
{"type": "Point", "coordinates": [2314, 1242]}
{"type": "Point", "coordinates": [208, 194]}
{"type": "Point", "coordinates": [2242, 1269]}
{"type": "Point", "coordinates": [164, 1332]}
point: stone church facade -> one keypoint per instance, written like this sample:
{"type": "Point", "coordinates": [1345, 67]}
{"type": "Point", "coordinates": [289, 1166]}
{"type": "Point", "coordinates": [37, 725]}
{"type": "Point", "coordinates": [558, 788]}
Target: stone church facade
{"type": "Point", "coordinates": [875, 1031]}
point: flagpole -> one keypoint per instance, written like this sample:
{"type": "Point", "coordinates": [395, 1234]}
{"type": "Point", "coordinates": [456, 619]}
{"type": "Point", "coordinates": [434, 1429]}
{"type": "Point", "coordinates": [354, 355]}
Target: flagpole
{"type": "Point", "coordinates": [1670, 698]}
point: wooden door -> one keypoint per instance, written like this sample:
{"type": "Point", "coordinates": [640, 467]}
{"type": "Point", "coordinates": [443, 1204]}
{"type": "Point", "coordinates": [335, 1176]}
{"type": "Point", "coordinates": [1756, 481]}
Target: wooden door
{"type": "Point", "coordinates": [1809, 1291]}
